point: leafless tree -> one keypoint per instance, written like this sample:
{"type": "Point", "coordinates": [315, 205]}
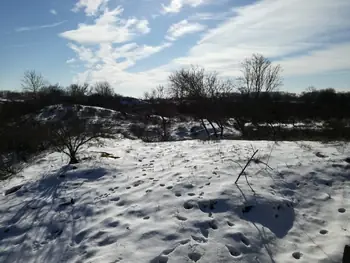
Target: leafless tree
{"type": "Point", "coordinates": [103, 89]}
{"type": "Point", "coordinates": [162, 107]}
{"type": "Point", "coordinates": [206, 88]}
{"type": "Point", "coordinates": [259, 75]}
{"type": "Point", "coordinates": [70, 135]}
{"type": "Point", "coordinates": [77, 90]}
{"type": "Point", "coordinates": [33, 82]}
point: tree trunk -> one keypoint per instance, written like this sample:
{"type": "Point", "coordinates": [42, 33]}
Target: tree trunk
{"type": "Point", "coordinates": [165, 135]}
{"type": "Point", "coordinates": [214, 129]}
{"type": "Point", "coordinates": [73, 158]}
{"type": "Point", "coordinates": [205, 127]}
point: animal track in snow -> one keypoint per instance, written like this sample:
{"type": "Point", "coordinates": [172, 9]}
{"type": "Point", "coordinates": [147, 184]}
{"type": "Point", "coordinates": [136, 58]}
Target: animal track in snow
{"type": "Point", "coordinates": [181, 218]}
{"type": "Point", "coordinates": [230, 223]}
{"type": "Point", "coordinates": [194, 256]}
{"type": "Point", "coordinates": [169, 187]}
{"type": "Point", "coordinates": [146, 218]}
{"type": "Point", "coordinates": [189, 204]}
{"type": "Point", "coordinates": [245, 240]}
{"type": "Point", "coordinates": [191, 194]}
{"type": "Point", "coordinates": [199, 239]}
{"type": "Point", "coordinates": [341, 210]}
{"type": "Point", "coordinates": [297, 255]}
{"type": "Point", "coordinates": [323, 231]}
{"type": "Point", "coordinates": [213, 224]}
{"type": "Point", "coordinates": [115, 199]}
{"type": "Point", "coordinates": [178, 194]}
{"type": "Point", "coordinates": [233, 251]}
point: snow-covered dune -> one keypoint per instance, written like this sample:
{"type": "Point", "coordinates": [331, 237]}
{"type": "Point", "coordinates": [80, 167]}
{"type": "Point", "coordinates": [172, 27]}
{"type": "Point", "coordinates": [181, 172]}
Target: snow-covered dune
{"type": "Point", "coordinates": [128, 202]}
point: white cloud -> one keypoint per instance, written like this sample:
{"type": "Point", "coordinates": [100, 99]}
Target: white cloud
{"type": "Point", "coordinates": [53, 11]}
{"type": "Point", "coordinates": [334, 58]}
{"type": "Point", "coordinates": [303, 36]}
{"type": "Point", "coordinates": [71, 60]}
{"type": "Point", "coordinates": [32, 28]}
{"type": "Point", "coordinates": [183, 28]}
{"type": "Point", "coordinates": [275, 28]}
{"type": "Point", "coordinates": [176, 5]}
{"type": "Point", "coordinates": [108, 63]}
{"type": "Point", "coordinates": [210, 16]}
{"type": "Point", "coordinates": [109, 27]}
{"type": "Point", "coordinates": [91, 7]}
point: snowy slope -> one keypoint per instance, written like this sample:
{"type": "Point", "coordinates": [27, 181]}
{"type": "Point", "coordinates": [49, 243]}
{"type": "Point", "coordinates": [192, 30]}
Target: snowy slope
{"type": "Point", "coordinates": [177, 202]}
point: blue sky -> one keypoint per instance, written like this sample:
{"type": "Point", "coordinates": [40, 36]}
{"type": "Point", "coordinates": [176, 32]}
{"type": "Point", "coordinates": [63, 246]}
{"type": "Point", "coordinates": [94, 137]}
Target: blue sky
{"type": "Point", "coordinates": [135, 44]}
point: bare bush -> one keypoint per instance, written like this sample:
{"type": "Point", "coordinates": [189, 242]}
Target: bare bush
{"type": "Point", "coordinates": [70, 135]}
{"type": "Point", "coordinates": [103, 89]}
{"type": "Point", "coordinates": [77, 90]}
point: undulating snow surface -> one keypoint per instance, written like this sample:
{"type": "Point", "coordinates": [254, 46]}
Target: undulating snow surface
{"type": "Point", "coordinates": [129, 201]}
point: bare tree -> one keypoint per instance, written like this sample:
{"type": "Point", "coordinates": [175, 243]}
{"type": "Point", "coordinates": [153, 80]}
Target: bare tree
{"type": "Point", "coordinates": [259, 75]}
{"type": "Point", "coordinates": [206, 89]}
{"type": "Point", "coordinates": [162, 107]}
{"type": "Point", "coordinates": [33, 82]}
{"type": "Point", "coordinates": [70, 135]}
{"type": "Point", "coordinates": [77, 90]}
{"type": "Point", "coordinates": [103, 89]}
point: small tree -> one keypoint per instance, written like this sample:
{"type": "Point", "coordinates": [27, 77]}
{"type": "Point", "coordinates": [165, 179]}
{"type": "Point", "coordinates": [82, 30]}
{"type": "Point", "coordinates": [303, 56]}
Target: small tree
{"type": "Point", "coordinates": [162, 107]}
{"type": "Point", "coordinates": [33, 82]}
{"type": "Point", "coordinates": [103, 89]}
{"type": "Point", "coordinates": [206, 89]}
{"type": "Point", "coordinates": [70, 135]}
{"type": "Point", "coordinates": [77, 90]}
{"type": "Point", "coordinates": [259, 75]}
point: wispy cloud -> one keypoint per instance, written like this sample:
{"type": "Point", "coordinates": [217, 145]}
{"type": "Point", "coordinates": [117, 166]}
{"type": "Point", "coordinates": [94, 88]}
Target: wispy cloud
{"type": "Point", "coordinates": [109, 27]}
{"type": "Point", "coordinates": [110, 63]}
{"type": "Point", "coordinates": [176, 5]}
{"type": "Point", "coordinates": [277, 29]}
{"type": "Point", "coordinates": [53, 11]}
{"type": "Point", "coordinates": [32, 28]}
{"type": "Point", "coordinates": [91, 7]}
{"type": "Point", "coordinates": [183, 28]}
{"type": "Point", "coordinates": [210, 16]}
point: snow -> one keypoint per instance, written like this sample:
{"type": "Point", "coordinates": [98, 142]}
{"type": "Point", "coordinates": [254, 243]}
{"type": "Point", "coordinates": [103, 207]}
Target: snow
{"type": "Point", "coordinates": [128, 201]}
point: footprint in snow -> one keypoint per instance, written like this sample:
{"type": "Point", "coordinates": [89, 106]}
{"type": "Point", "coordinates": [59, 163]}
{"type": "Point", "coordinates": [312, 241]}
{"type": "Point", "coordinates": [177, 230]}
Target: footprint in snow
{"type": "Point", "coordinates": [323, 231]}
{"type": "Point", "coordinates": [341, 210]}
{"type": "Point", "coordinates": [181, 218]}
{"type": "Point", "coordinates": [233, 251]}
{"type": "Point", "coordinates": [194, 256]}
{"type": "Point", "coordinates": [230, 223]}
{"type": "Point", "coordinates": [297, 255]}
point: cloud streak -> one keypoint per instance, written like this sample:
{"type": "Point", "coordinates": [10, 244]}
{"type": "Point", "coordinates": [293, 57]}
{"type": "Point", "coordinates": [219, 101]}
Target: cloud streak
{"type": "Point", "coordinates": [108, 28]}
{"type": "Point", "coordinates": [183, 28]}
{"type": "Point", "coordinates": [274, 28]}
{"type": "Point", "coordinates": [32, 28]}
{"type": "Point", "coordinates": [176, 5]}
{"type": "Point", "coordinates": [53, 11]}
{"type": "Point", "coordinates": [91, 7]}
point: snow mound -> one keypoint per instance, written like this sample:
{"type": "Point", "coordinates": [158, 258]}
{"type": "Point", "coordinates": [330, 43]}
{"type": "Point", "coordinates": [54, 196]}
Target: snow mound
{"type": "Point", "coordinates": [129, 201]}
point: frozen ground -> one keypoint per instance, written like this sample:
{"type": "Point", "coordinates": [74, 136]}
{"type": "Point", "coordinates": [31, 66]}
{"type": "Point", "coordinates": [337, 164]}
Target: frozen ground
{"type": "Point", "coordinates": [128, 202]}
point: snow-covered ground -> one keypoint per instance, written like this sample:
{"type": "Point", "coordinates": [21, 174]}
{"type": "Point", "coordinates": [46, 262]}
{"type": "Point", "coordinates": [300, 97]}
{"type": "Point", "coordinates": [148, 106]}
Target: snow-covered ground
{"type": "Point", "coordinates": [129, 201]}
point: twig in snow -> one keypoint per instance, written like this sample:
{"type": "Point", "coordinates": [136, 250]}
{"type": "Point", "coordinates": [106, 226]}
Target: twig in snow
{"type": "Point", "coordinates": [240, 174]}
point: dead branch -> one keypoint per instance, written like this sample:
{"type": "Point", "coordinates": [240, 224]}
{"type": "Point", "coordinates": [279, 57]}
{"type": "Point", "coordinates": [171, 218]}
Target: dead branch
{"type": "Point", "coordinates": [250, 159]}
